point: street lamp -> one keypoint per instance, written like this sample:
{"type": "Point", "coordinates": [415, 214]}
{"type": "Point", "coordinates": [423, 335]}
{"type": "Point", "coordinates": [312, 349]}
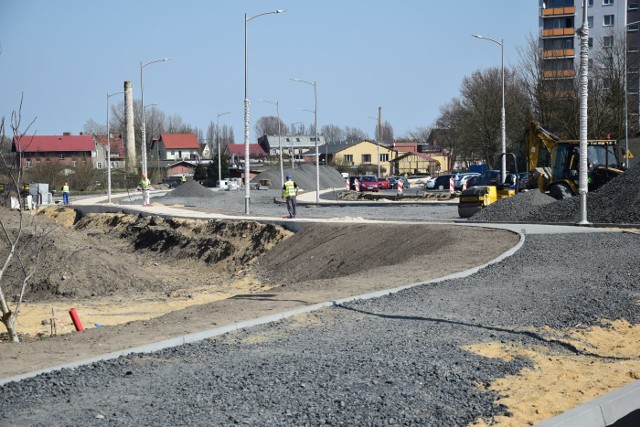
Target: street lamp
{"type": "Point", "coordinates": [503, 119]}
{"type": "Point", "coordinates": [144, 127]}
{"type": "Point", "coordinates": [218, 145]}
{"type": "Point", "coordinates": [378, 138]}
{"type": "Point", "coordinates": [277, 104]}
{"type": "Point", "coordinates": [157, 147]}
{"type": "Point", "coordinates": [109, 149]}
{"type": "Point", "coordinates": [293, 149]}
{"type": "Point", "coordinates": [626, 95]}
{"type": "Point", "coordinates": [315, 120]}
{"type": "Point", "coordinates": [247, 171]}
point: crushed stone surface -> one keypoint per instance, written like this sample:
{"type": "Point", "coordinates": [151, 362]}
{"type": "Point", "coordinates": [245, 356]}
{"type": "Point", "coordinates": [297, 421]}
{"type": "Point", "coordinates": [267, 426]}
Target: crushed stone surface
{"type": "Point", "coordinates": [396, 360]}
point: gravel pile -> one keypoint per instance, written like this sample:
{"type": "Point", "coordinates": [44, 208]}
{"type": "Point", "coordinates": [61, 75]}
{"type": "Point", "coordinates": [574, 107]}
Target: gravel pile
{"type": "Point", "coordinates": [397, 360]}
{"type": "Point", "coordinates": [190, 189]}
{"type": "Point", "coordinates": [617, 202]}
{"type": "Point", "coordinates": [305, 177]}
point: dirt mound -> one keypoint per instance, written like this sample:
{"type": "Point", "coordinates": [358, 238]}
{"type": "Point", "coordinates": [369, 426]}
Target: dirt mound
{"type": "Point", "coordinates": [117, 254]}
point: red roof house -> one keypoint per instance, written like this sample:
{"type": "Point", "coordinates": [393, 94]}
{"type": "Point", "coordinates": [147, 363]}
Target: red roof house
{"type": "Point", "coordinates": [66, 149]}
{"type": "Point", "coordinates": [176, 146]}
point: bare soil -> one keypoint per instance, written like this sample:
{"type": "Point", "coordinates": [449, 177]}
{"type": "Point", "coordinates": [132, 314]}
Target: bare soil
{"type": "Point", "coordinates": [137, 280]}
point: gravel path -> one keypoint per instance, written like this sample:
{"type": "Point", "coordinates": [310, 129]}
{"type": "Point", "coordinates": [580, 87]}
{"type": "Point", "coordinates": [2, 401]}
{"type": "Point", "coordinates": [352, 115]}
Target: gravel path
{"type": "Point", "coordinates": [396, 360]}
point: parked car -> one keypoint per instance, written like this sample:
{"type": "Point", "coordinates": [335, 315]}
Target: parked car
{"type": "Point", "coordinates": [369, 183]}
{"type": "Point", "coordinates": [393, 182]}
{"type": "Point", "coordinates": [440, 182]}
{"type": "Point", "coordinates": [352, 182]}
{"type": "Point", "coordinates": [461, 179]}
{"type": "Point", "coordinates": [405, 182]}
{"type": "Point", "coordinates": [492, 177]}
{"type": "Point", "coordinates": [383, 183]}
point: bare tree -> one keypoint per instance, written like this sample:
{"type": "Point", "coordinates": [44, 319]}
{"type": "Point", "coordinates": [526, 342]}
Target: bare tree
{"type": "Point", "coordinates": [387, 133]}
{"type": "Point", "coordinates": [419, 134]}
{"type": "Point", "coordinates": [354, 134]}
{"type": "Point", "coordinates": [268, 125]}
{"type": "Point", "coordinates": [332, 133]}
{"type": "Point", "coordinates": [17, 242]}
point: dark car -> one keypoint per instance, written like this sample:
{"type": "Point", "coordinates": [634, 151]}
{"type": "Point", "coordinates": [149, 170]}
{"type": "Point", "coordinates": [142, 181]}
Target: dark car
{"type": "Point", "coordinates": [405, 182]}
{"type": "Point", "coordinates": [393, 182]}
{"type": "Point", "coordinates": [369, 183]}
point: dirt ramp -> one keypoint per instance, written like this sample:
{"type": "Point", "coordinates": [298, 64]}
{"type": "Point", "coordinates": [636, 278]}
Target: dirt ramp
{"type": "Point", "coordinates": [326, 251]}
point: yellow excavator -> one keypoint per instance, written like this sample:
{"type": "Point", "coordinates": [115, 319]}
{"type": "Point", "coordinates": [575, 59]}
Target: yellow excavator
{"type": "Point", "coordinates": [553, 163]}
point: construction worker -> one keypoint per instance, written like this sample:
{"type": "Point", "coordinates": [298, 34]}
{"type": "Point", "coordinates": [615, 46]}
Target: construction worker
{"type": "Point", "coordinates": [145, 184]}
{"type": "Point", "coordinates": [65, 193]}
{"type": "Point", "coordinates": [184, 178]}
{"type": "Point", "coordinates": [289, 193]}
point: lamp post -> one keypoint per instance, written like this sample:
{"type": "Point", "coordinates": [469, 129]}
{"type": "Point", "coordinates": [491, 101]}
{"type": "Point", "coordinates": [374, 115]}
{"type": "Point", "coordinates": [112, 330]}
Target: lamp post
{"type": "Point", "coordinates": [378, 136]}
{"type": "Point", "coordinates": [503, 119]}
{"type": "Point", "coordinates": [277, 104]}
{"type": "Point", "coordinates": [293, 149]}
{"type": "Point", "coordinates": [157, 148]}
{"type": "Point", "coordinates": [626, 95]}
{"type": "Point", "coordinates": [144, 127]}
{"type": "Point", "coordinates": [315, 121]}
{"type": "Point", "coordinates": [218, 145]}
{"type": "Point", "coordinates": [109, 149]}
{"type": "Point", "coordinates": [247, 196]}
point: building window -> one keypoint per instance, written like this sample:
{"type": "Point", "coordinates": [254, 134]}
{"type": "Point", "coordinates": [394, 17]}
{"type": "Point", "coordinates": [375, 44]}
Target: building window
{"type": "Point", "coordinates": [348, 158]}
{"type": "Point", "coordinates": [384, 157]}
{"type": "Point", "coordinates": [28, 164]}
{"type": "Point", "coordinates": [633, 28]}
{"type": "Point", "coordinates": [61, 156]}
{"type": "Point", "coordinates": [608, 20]}
{"type": "Point", "coordinates": [590, 41]}
{"type": "Point", "coordinates": [74, 163]}
{"type": "Point", "coordinates": [366, 158]}
{"type": "Point", "coordinates": [99, 165]}
{"type": "Point", "coordinates": [634, 6]}
{"type": "Point", "coordinates": [590, 21]}
{"type": "Point", "coordinates": [590, 3]}
{"type": "Point", "coordinates": [607, 2]}
{"type": "Point", "coordinates": [607, 41]}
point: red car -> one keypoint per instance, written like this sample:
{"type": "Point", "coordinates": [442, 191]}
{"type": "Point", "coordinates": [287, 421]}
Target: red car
{"type": "Point", "coordinates": [369, 183]}
{"type": "Point", "coordinates": [383, 183]}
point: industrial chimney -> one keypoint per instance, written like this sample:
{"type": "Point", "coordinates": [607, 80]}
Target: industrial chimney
{"type": "Point", "coordinates": [130, 136]}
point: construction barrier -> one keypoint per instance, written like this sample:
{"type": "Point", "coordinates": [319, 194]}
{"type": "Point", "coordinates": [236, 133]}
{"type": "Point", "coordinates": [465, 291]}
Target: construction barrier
{"type": "Point", "coordinates": [400, 187]}
{"type": "Point", "coordinates": [451, 185]}
{"type": "Point", "coordinates": [357, 185]}
{"type": "Point", "coordinates": [347, 184]}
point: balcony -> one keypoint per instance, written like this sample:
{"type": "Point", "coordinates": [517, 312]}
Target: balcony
{"type": "Point", "coordinates": [559, 53]}
{"type": "Point", "coordinates": [559, 74]}
{"type": "Point", "coordinates": [559, 11]}
{"type": "Point", "coordinates": [558, 32]}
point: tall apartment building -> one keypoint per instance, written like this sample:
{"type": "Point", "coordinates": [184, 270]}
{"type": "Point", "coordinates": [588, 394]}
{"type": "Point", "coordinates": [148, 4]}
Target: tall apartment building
{"type": "Point", "coordinates": [608, 20]}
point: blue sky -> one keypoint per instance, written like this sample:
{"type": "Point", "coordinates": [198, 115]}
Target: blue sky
{"type": "Point", "coordinates": [407, 56]}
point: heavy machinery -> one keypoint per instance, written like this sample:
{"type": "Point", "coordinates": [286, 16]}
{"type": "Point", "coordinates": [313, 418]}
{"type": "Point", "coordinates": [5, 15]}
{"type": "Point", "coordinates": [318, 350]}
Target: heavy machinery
{"type": "Point", "coordinates": [488, 189]}
{"type": "Point", "coordinates": [553, 163]}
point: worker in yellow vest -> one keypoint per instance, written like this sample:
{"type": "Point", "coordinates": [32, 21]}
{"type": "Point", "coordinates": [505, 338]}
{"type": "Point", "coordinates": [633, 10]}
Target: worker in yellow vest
{"type": "Point", "coordinates": [145, 184]}
{"type": "Point", "coordinates": [289, 193]}
{"type": "Point", "coordinates": [184, 178]}
{"type": "Point", "coordinates": [65, 193]}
